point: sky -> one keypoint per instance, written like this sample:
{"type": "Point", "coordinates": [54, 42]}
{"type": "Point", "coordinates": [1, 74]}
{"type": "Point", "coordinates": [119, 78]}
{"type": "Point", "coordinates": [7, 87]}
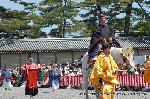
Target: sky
{"type": "Point", "coordinates": [15, 6]}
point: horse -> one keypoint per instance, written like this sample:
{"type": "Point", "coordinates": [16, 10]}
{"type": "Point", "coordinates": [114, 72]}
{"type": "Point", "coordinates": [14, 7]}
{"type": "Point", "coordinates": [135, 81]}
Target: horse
{"type": "Point", "coordinates": [120, 55]}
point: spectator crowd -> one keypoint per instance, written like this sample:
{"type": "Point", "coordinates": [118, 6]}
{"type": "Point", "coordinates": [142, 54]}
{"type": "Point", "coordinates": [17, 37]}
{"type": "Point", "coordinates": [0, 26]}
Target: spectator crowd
{"type": "Point", "coordinates": [15, 76]}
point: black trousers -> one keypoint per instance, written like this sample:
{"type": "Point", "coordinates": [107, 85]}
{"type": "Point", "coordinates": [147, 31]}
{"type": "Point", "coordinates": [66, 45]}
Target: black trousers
{"type": "Point", "coordinates": [31, 91]}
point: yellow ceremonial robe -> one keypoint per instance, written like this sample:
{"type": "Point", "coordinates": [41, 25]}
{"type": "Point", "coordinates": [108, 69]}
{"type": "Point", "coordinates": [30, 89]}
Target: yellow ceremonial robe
{"type": "Point", "coordinates": [95, 73]}
{"type": "Point", "coordinates": [147, 72]}
{"type": "Point", "coordinates": [104, 68]}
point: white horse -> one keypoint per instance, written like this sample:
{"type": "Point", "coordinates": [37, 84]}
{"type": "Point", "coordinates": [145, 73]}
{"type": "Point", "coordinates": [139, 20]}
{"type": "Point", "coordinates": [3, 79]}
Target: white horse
{"type": "Point", "coordinates": [117, 55]}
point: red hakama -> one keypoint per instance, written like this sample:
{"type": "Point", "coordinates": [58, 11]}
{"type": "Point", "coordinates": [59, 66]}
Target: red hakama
{"type": "Point", "coordinates": [32, 75]}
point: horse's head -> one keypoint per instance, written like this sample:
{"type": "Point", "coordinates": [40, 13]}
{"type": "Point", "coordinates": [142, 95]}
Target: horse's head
{"type": "Point", "coordinates": [127, 53]}
{"type": "Point", "coordinates": [117, 55]}
{"type": "Point", "coordinates": [124, 55]}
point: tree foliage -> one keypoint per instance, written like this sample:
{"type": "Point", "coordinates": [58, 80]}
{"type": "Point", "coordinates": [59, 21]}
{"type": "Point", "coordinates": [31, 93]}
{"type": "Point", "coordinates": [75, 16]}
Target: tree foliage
{"type": "Point", "coordinates": [65, 17]}
{"type": "Point", "coordinates": [132, 22]}
{"type": "Point", "coordinates": [13, 23]}
{"type": "Point", "coordinates": [61, 14]}
{"type": "Point", "coordinates": [20, 23]}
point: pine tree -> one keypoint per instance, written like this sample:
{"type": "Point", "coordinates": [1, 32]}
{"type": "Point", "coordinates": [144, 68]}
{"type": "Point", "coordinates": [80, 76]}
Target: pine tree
{"type": "Point", "coordinates": [12, 23]}
{"type": "Point", "coordinates": [20, 24]}
{"type": "Point", "coordinates": [127, 24]}
{"type": "Point", "coordinates": [141, 16]}
{"type": "Point", "coordinates": [34, 20]}
{"type": "Point", "coordinates": [59, 14]}
{"type": "Point", "coordinates": [95, 8]}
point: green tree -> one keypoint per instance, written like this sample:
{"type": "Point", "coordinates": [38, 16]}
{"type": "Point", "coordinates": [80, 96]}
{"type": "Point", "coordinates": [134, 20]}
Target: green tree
{"type": "Point", "coordinates": [63, 16]}
{"type": "Point", "coordinates": [129, 24]}
{"type": "Point", "coordinates": [141, 16]}
{"type": "Point", "coordinates": [59, 14]}
{"type": "Point", "coordinates": [17, 23]}
{"type": "Point", "coordinates": [34, 20]}
{"type": "Point", "coordinates": [136, 18]}
{"type": "Point", "coordinates": [94, 8]}
{"type": "Point", "coordinates": [13, 23]}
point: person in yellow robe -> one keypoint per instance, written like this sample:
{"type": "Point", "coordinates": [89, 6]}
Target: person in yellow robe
{"type": "Point", "coordinates": [147, 71]}
{"type": "Point", "coordinates": [104, 74]}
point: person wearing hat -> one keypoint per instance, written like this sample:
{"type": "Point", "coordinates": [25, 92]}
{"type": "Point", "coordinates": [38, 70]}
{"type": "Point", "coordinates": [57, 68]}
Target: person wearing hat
{"type": "Point", "coordinates": [101, 34]}
{"type": "Point", "coordinates": [104, 74]}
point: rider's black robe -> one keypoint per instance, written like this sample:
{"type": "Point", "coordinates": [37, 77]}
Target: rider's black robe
{"type": "Point", "coordinates": [97, 38]}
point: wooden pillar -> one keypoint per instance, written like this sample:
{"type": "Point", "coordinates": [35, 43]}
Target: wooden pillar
{"type": "Point", "coordinates": [55, 55]}
{"type": "Point", "coordinates": [38, 58]}
{"type": "Point", "coordinates": [72, 54]}
{"type": "Point", "coordinates": [20, 59]}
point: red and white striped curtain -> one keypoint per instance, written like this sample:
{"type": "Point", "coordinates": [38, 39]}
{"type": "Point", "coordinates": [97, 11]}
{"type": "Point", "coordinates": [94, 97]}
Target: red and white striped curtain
{"type": "Point", "coordinates": [124, 79]}
{"type": "Point", "coordinates": [132, 80]}
{"type": "Point", "coordinates": [71, 80]}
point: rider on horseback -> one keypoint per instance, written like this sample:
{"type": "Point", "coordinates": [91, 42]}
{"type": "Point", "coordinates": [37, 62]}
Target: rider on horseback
{"type": "Point", "coordinates": [102, 34]}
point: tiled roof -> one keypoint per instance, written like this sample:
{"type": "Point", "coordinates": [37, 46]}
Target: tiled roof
{"type": "Point", "coordinates": [64, 44]}
{"type": "Point", "coordinates": [46, 45]}
{"type": "Point", "coordinates": [5, 42]}
{"type": "Point", "coordinates": [135, 42]}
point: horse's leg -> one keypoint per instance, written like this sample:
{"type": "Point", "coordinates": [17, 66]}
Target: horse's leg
{"type": "Point", "coordinates": [85, 74]}
{"type": "Point", "coordinates": [96, 93]}
{"type": "Point", "coordinates": [87, 83]}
